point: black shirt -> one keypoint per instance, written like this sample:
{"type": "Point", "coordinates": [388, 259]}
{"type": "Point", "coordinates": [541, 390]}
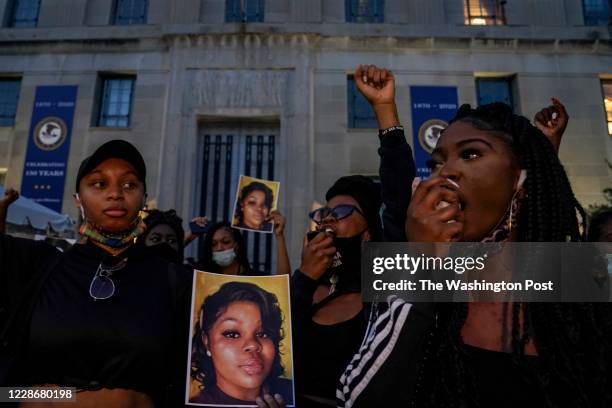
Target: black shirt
{"type": "Point", "coordinates": [321, 352]}
{"type": "Point", "coordinates": [133, 340]}
{"type": "Point", "coordinates": [329, 349]}
{"type": "Point", "coordinates": [499, 381]}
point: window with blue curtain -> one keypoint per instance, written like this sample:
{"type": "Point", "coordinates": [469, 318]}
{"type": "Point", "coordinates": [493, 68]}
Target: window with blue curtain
{"type": "Point", "coordinates": [23, 13]}
{"type": "Point", "coordinates": [491, 90]}
{"type": "Point", "coordinates": [9, 96]}
{"type": "Point", "coordinates": [244, 11]}
{"type": "Point", "coordinates": [597, 12]}
{"type": "Point", "coordinates": [360, 113]}
{"type": "Point", "coordinates": [116, 101]}
{"type": "Point", "coordinates": [130, 12]}
{"type": "Point", "coordinates": [365, 11]}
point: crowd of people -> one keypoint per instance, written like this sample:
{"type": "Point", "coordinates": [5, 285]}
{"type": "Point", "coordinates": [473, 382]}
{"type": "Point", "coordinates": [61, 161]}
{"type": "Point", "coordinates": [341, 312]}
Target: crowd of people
{"type": "Point", "coordinates": [82, 317]}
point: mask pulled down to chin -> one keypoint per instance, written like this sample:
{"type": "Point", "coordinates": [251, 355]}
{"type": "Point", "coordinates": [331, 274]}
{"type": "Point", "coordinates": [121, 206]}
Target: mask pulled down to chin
{"type": "Point", "coordinates": [344, 274]}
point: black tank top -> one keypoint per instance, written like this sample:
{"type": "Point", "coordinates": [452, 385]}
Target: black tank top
{"type": "Point", "coordinates": [330, 349]}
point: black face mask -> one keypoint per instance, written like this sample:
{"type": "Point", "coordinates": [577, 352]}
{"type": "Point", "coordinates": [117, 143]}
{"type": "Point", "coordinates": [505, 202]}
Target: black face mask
{"type": "Point", "coordinates": [344, 274]}
{"type": "Point", "coordinates": [165, 251]}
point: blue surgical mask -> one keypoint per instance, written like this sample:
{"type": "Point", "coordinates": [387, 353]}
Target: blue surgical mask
{"type": "Point", "coordinates": [224, 258]}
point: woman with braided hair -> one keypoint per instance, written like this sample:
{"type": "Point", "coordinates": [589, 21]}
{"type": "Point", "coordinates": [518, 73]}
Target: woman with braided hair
{"type": "Point", "coordinates": [502, 181]}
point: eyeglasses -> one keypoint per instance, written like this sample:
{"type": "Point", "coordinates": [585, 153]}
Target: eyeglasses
{"type": "Point", "coordinates": [102, 286]}
{"type": "Point", "coordinates": [340, 212]}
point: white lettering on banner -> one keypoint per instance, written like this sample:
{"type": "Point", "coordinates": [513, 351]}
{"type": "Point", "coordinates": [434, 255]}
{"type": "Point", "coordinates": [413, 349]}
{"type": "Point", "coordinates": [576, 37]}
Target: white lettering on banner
{"type": "Point", "coordinates": [45, 164]}
{"type": "Point", "coordinates": [51, 173]}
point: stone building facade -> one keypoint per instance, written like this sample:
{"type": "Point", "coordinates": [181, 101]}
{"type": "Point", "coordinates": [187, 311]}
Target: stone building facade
{"type": "Point", "coordinates": [284, 73]}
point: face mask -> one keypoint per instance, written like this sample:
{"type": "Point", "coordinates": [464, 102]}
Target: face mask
{"type": "Point", "coordinates": [344, 274]}
{"type": "Point", "coordinates": [165, 251]}
{"type": "Point", "coordinates": [224, 258]}
{"type": "Point", "coordinates": [115, 240]}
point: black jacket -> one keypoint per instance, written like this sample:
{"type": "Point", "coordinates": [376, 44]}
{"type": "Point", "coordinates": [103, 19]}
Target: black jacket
{"type": "Point", "coordinates": [397, 170]}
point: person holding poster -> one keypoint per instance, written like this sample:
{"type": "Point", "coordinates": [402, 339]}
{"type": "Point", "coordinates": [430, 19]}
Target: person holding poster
{"type": "Point", "coordinates": [83, 318]}
{"type": "Point", "coordinates": [224, 249]}
{"type": "Point", "coordinates": [236, 345]}
{"type": "Point", "coordinates": [255, 200]}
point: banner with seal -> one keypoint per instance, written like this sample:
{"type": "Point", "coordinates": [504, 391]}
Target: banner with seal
{"type": "Point", "coordinates": [432, 107]}
{"type": "Point", "coordinates": [44, 171]}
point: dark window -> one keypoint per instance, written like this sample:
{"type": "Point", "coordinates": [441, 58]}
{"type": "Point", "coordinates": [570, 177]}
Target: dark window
{"type": "Point", "coordinates": [244, 11]}
{"type": "Point", "coordinates": [228, 152]}
{"type": "Point", "coordinates": [484, 12]}
{"type": "Point", "coordinates": [606, 89]}
{"type": "Point", "coordinates": [365, 11]}
{"type": "Point", "coordinates": [116, 101]}
{"type": "Point", "coordinates": [597, 12]}
{"type": "Point", "coordinates": [130, 12]}
{"type": "Point", "coordinates": [491, 90]}
{"type": "Point", "coordinates": [360, 113]}
{"type": "Point", "coordinates": [23, 13]}
{"type": "Point", "coordinates": [9, 96]}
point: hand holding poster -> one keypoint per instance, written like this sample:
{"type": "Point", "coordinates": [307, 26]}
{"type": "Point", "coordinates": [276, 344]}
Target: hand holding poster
{"type": "Point", "coordinates": [240, 340]}
{"type": "Point", "coordinates": [255, 201]}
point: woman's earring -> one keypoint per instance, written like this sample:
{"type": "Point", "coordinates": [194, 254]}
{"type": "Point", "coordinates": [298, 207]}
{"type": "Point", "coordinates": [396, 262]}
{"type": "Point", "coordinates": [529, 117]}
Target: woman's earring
{"type": "Point", "coordinates": [514, 206]}
{"type": "Point", "coordinates": [208, 353]}
{"type": "Point", "coordinates": [510, 218]}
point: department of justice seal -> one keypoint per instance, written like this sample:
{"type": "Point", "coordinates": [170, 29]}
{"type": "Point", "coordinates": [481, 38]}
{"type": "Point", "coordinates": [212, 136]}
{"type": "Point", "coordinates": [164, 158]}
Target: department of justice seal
{"type": "Point", "coordinates": [50, 133]}
{"type": "Point", "coordinates": [429, 133]}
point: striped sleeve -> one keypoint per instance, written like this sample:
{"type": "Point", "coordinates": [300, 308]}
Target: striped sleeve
{"type": "Point", "coordinates": [385, 369]}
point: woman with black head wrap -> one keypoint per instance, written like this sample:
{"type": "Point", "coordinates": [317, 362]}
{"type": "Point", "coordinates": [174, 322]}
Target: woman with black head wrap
{"type": "Point", "coordinates": [329, 314]}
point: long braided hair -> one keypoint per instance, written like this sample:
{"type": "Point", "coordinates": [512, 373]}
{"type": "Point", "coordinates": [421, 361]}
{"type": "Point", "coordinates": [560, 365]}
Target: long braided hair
{"type": "Point", "coordinates": [572, 339]}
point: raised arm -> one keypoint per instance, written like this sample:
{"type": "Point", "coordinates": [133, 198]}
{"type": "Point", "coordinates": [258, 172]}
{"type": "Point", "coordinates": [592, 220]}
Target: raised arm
{"type": "Point", "coordinates": [397, 168]}
{"type": "Point", "coordinates": [552, 121]}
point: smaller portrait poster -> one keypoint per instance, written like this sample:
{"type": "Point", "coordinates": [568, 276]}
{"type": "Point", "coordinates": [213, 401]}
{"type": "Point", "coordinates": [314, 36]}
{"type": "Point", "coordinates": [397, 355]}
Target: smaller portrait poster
{"type": "Point", "coordinates": [255, 201]}
{"type": "Point", "coordinates": [240, 340]}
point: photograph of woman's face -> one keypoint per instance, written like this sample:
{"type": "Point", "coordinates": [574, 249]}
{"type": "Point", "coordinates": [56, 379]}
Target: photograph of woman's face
{"type": "Point", "coordinates": [241, 351]}
{"type": "Point", "coordinates": [255, 210]}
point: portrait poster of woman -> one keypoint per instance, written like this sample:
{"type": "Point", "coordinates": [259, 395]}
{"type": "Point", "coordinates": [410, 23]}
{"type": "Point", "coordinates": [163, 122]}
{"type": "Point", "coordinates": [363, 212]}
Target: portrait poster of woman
{"type": "Point", "coordinates": [240, 340]}
{"type": "Point", "coordinates": [255, 201]}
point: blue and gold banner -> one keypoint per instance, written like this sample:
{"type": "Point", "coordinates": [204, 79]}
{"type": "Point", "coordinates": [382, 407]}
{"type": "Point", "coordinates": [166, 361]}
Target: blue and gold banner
{"type": "Point", "coordinates": [432, 108]}
{"type": "Point", "coordinates": [44, 171]}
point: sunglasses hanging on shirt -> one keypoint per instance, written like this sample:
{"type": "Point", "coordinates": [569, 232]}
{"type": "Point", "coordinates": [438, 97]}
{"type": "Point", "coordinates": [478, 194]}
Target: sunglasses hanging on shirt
{"type": "Point", "coordinates": [102, 285]}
